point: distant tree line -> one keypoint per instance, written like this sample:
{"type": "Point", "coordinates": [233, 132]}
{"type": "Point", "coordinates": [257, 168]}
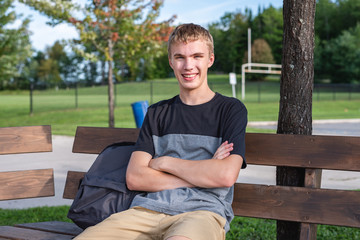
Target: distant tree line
{"type": "Point", "coordinates": [140, 52]}
{"type": "Point", "coordinates": [337, 43]}
{"type": "Point", "coordinates": [337, 49]}
{"type": "Point", "coordinates": [118, 40]}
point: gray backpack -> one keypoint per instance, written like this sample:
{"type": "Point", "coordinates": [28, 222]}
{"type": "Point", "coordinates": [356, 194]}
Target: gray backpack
{"type": "Point", "coordinates": [103, 190]}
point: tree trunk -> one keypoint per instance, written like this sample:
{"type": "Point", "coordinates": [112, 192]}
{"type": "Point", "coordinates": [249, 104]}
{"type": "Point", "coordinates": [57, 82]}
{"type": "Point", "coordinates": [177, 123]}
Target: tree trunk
{"type": "Point", "coordinates": [296, 86]}
{"type": "Point", "coordinates": [103, 72]}
{"type": "Point", "coordinates": [111, 87]}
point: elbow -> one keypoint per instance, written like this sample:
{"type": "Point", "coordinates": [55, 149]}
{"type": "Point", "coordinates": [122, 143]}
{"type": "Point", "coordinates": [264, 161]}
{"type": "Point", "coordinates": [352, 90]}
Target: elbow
{"type": "Point", "coordinates": [230, 173]}
{"type": "Point", "coordinates": [131, 182]}
{"type": "Point", "coordinates": [228, 179]}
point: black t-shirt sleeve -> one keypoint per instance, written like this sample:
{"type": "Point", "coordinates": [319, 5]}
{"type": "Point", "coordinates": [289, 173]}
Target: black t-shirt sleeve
{"type": "Point", "coordinates": [145, 141]}
{"type": "Point", "coordinates": [234, 129]}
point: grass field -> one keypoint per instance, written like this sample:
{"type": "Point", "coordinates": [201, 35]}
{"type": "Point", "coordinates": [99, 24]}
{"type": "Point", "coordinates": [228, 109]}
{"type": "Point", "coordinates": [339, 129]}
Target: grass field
{"type": "Point", "coordinates": [58, 109]}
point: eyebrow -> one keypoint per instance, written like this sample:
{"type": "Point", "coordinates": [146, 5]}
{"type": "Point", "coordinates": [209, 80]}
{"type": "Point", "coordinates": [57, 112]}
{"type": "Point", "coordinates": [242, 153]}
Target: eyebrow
{"type": "Point", "coordinates": [194, 54]}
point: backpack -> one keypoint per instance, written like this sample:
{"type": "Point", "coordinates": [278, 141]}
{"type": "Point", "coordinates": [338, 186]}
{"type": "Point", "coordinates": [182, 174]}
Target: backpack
{"type": "Point", "coordinates": [103, 190]}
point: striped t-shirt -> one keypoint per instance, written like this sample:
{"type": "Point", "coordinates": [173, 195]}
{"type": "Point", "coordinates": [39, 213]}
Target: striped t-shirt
{"type": "Point", "coordinates": [172, 128]}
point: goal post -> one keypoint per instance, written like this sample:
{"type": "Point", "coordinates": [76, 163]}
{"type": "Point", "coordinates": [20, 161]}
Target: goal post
{"type": "Point", "coordinates": [263, 68]}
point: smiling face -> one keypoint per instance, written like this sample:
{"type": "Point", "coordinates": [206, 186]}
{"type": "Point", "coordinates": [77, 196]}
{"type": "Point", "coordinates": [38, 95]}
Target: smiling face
{"type": "Point", "coordinates": [190, 62]}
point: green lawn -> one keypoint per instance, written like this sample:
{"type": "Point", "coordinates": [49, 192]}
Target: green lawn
{"type": "Point", "coordinates": [58, 108]}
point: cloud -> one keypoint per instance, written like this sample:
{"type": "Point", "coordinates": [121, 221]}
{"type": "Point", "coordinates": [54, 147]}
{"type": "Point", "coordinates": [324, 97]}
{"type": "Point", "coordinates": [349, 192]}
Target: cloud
{"type": "Point", "coordinates": [45, 35]}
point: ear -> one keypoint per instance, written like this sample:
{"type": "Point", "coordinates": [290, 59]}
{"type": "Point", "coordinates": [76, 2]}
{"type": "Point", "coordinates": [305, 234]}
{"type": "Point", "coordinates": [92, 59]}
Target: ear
{"type": "Point", "coordinates": [211, 60]}
{"type": "Point", "coordinates": [170, 63]}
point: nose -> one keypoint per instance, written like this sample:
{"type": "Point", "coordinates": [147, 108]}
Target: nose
{"type": "Point", "coordinates": [188, 65]}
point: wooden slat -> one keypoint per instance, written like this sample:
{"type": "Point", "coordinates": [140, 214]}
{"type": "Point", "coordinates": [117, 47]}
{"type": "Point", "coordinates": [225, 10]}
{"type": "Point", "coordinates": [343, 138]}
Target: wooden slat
{"type": "Point", "coordinates": [308, 231]}
{"type": "Point", "coordinates": [30, 234]}
{"type": "Point", "coordinates": [25, 139]}
{"type": "Point", "coordinates": [73, 180]}
{"type": "Point", "coordinates": [326, 152]}
{"type": "Point", "coordinates": [323, 152]}
{"type": "Point", "coordinates": [95, 139]}
{"type": "Point", "coordinates": [312, 180]}
{"type": "Point", "coordinates": [320, 206]}
{"type": "Point", "coordinates": [26, 184]}
{"type": "Point", "coordinates": [54, 227]}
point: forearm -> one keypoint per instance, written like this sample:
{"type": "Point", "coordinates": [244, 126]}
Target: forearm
{"type": "Point", "coordinates": [210, 173]}
{"type": "Point", "coordinates": [150, 180]}
{"type": "Point", "coordinates": [141, 177]}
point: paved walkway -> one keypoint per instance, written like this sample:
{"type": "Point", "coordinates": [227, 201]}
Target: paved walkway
{"type": "Point", "coordinates": [62, 159]}
{"type": "Point", "coordinates": [339, 127]}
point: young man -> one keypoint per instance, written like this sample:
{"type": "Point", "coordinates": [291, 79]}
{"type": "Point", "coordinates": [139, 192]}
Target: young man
{"type": "Point", "coordinates": [188, 155]}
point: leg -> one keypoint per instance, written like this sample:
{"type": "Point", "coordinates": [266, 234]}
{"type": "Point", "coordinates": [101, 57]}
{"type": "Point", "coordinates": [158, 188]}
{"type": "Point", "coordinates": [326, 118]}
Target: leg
{"type": "Point", "coordinates": [178, 238]}
{"type": "Point", "coordinates": [197, 225]}
{"type": "Point", "coordinates": [135, 223]}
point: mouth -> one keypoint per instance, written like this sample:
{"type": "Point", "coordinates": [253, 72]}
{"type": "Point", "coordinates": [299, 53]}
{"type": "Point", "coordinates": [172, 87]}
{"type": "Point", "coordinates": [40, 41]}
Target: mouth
{"type": "Point", "coordinates": [189, 77]}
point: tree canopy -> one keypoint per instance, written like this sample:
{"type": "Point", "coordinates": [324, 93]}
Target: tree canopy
{"type": "Point", "coordinates": [15, 46]}
{"type": "Point", "coordinates": [125, 39]}
{"type": "Point", "coordinates": [117, 32]}
{"type": "Point", "coordinates": [337, 41]}
{"type": "Point", "coordinates": [335, 31]}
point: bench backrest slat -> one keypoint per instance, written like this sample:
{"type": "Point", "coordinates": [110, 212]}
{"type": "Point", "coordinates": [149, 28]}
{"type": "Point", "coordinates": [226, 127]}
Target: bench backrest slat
{"type": "Point", "coordinates": [25, 139]}
{"type": "Point", "coordinates": [325, 152]}
{"type": "Point", "coordinates": [308, 151]}
{"type": "Point", "coordinates": [73, 181]}
{"type": "Point", "coordinates": [26, 184]}
{"type": "Point", "coordinates": [95, 139]}
{"type": "Point", "coordinates": [309, 205]}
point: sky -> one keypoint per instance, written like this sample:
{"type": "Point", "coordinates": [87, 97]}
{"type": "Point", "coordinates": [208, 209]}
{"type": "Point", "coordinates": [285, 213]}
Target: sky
{"type": "Point", "coordinates": [200, 12]}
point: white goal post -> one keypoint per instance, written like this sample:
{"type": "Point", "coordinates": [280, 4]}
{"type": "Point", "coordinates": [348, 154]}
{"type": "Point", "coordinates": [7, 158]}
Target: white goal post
{"type": "Point", "coordinates": [263, 68]}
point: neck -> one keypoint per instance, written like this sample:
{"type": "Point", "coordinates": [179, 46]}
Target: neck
{"type": "Point", "coordinates": [195, 97]}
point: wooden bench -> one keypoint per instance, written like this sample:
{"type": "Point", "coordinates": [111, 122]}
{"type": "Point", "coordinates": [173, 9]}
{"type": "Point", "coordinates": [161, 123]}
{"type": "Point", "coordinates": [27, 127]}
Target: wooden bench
{"type": "Point", "coordinates": [25, 183]}
{"type": "Point", "coordinates": [309, 205]}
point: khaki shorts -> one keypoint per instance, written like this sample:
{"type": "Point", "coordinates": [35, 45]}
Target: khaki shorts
{"type": "Point", "coordinates": [140, 223]}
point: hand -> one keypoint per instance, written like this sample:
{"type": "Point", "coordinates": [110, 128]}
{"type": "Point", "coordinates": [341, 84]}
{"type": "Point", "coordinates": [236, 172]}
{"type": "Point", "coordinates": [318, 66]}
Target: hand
{"type": "Point", "coordinates": [223, 151]}
{"type": "Point", "coordinates": [155, 163]}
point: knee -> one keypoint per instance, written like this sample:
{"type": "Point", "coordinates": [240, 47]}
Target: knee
{"type": "Point", "coordinates": [178, 238]}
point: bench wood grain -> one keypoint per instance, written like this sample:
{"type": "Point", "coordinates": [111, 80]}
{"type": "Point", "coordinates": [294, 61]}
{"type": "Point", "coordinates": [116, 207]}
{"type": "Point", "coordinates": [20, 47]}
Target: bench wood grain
{"type": "Point", "coordinates": [26, 184]}
{"type": "Point", "coordinates": [58, 227]}
{"type": "Point", "coordinates": [95, 139]}
{"type": "Point", "coordinates": [29, 139]}
{"type": "Point", "coordinates": [322, 152]}
{"type": "Point", "coordinates": [18, 233]}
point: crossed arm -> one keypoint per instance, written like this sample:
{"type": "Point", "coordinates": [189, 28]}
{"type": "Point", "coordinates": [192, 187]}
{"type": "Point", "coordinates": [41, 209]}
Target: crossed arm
{"type": "Point", "coordinates": [147, 174]}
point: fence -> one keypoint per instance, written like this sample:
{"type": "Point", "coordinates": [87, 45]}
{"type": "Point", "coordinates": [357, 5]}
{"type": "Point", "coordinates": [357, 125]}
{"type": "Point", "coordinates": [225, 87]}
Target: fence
{"type": "Point", "coordinates": [336, 92]}
{"type": "Point", "coordinates": [77, 96]}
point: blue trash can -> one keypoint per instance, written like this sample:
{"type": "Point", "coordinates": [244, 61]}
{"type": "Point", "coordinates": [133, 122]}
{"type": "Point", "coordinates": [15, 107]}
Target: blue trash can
{"type": "Point", "coordinates": [139, 110]}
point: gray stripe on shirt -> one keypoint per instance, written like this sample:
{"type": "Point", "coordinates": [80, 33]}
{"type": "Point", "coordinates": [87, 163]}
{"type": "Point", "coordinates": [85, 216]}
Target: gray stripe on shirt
{"type": "Point", "coordinates": [186, 146]}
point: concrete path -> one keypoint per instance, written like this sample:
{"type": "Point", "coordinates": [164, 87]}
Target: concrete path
{"type": "Point", "coordinates": [338, 127]}
{"type": "Point", "coordinates": [62, 159]}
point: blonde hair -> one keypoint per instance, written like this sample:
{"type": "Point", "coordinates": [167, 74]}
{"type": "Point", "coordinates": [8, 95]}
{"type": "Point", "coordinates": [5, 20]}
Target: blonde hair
{"type": "Point", "coordinates": [188, 33]}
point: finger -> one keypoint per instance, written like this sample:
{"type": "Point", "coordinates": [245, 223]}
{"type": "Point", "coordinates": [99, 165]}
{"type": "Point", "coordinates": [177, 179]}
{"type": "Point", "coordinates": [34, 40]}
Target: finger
{"type": "Point", "coordinates": [223, 152]}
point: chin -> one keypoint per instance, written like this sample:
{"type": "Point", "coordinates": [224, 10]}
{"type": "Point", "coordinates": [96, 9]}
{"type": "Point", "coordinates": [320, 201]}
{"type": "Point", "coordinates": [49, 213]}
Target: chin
{"type": "Point", "coordinates": [190, 85]}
